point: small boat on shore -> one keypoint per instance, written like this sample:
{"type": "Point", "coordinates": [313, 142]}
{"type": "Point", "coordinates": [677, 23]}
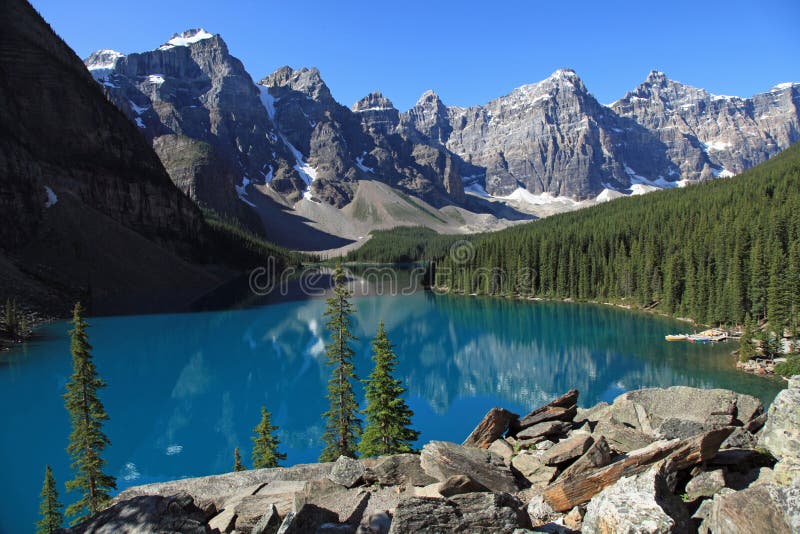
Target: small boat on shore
{"type": "Point", "coordinates": [706, 336]}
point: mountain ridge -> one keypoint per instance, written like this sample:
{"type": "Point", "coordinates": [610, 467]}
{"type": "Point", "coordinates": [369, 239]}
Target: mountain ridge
{"type": "Point", "coordinates": [544, 147]}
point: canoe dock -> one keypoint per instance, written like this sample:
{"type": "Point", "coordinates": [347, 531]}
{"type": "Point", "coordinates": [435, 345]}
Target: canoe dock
{"type": "Point", "coordinates": [706, 336]}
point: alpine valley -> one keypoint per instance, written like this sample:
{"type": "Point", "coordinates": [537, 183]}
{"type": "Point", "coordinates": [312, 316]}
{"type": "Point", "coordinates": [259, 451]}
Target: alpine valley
{"type": "Point", "coordinates": [294, 165]}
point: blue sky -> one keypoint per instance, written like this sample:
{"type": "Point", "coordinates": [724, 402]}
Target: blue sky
{"type": "Point", "coordinates": [468, 52]}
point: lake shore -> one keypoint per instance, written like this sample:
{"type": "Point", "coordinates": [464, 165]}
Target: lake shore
{"type": "Point", "coordinates": [676, 459]}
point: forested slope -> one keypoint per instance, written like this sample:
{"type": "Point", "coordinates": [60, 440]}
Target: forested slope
{"type": "Point", "coordinates": [713, 252]}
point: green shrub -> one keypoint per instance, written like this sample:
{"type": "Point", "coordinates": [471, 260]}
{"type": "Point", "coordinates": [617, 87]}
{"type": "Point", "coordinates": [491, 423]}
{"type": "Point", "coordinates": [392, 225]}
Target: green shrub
{"type": "Point", "coordinates": [790, 367]}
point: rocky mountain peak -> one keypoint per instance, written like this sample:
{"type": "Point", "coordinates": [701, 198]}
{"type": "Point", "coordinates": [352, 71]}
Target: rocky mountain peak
{"type": "Point", "coordinates": [375, 101]}
{"type": "Point", "coordinates": [429, 97]}
{"type": "Point", "coordinates": [186, 38]}
{"type": "Point", "coordinates": [102, 62]}
{"type": "Point", "coordinates": [306, 81]}
{"type": "Point", "coordinates": [785, 86]}
{"type": "Point", "coordinates": [656, 77]}
{"type": "Point", "coordinates": [103, 59]}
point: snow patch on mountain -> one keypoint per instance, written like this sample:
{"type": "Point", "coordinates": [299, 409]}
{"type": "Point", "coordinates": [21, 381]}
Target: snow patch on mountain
{"type": "Point", "coordinates": [186, 38]}
{"type": "Point", "coordinates": [716, 146]}
{"type": "Point", "coordinates": [608, 194]}
{"type": "Point", "coordinates": [138, 109]}
{"type": "Point", "coordinates": [155, 79]}
{"type": "Point", "coordinates": [306, 171]}
{"type": "Point", "coordinates": [360, 164]}
{"type": "Point", "coordinates": [785, 85]}
{"type": "Point", "coordinates": [268, 101]}
{"type": "Point", "coordinates": [241, 191]}
{"type": "Point", "coordinates": [477, 189]}
{"type": "Point", "coordinates": [523, 195]}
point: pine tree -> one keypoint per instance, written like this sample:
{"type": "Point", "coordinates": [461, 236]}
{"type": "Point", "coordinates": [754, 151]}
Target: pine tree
{"type": "Point", "coordinates": [747, 348]}
{"type": "Point", "coordinates": [265, 443]}
{"type": "Point", "coordinates": [49, 508]}
{"type": "Point", "coordinates": [342, 425]}
{"type": "Point", "coordinates": [237, 460]}
{"type": "Point", "coordinates": [388, 417]}
{"type": "Point", "coordinates": [87, 414]}
{"type": "Point", "coordinates": [777, 306]}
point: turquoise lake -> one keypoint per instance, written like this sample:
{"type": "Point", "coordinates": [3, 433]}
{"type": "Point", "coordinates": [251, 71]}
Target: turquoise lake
{"type": "Point", "coordinates": [185, 389]}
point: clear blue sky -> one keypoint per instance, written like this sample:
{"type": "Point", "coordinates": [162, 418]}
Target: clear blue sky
{"type": "Point", "coordinates": [468, 52]}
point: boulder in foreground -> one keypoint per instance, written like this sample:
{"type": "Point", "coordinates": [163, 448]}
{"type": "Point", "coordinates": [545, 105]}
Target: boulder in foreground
{"type": "Point", "coordinates": [441, 460]}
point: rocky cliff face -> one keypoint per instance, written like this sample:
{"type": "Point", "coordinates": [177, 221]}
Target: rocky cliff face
{"type": "Point", "coordinates": [709, 135]}
{"type": "Point", "coordinates": [542, 140]}
{"type": "Point", "coordinates": [547, 137]}
{"type": "Point", "coordinates": [366, 142]}
{"type": "Point", "coordinates": [554, 137]}
{"type": "Point", "coordinates": [192, 90]}
{"type": "Point", "coordinates": [77, 181]}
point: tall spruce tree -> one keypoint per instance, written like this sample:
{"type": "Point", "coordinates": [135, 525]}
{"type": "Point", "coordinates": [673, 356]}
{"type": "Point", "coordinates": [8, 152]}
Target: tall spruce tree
{"type": "Point", "coordinates": [265, 443]}
{"type": "Point", "coordinates": [388, 417]}
{"type": "Point", "coordinates": [87, 439]}
{"type": "Point", "coordinates": [237, 460]}
{"type": "Point", "coordinates": [342, 425]}
{"type": "Point", "coordinates": [747, 348]}
{"type": "Point", "coordinates": [49, 508]}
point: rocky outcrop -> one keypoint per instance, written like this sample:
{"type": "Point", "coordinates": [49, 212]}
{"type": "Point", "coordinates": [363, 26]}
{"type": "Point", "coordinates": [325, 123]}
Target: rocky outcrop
{"type": "Point", "coordinates": [193, 88]}
{"type": "Point", "coordinates": [574, 481]}
{"type": "Point", "coordinates": [642, 503]}
{"type": "Point", "coordinates": [680, 412]}
{"type": "Point", "coordinates": [781, 434]}
{"type": "Point", "coordinates": [554, 137]}
{"type": "Point", "coordinates": [761, 508]}
{"type": "Point", "coordinates": [708, 135]}
{"type": "Point", "coordinates": [148, 514]}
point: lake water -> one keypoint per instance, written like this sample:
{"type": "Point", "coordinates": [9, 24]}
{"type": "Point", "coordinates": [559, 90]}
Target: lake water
{"type": "Point", "coordinates": [184, 390]}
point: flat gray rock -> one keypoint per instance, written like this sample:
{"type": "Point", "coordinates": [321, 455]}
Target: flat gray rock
{"type": "Point", "coordinates": [543, 430]}
{"type": "Point", "coordinates": [473, 512]}
{"type": "Point", "coordinates": [680, 411]}
{"type": "Point", "coordinates": [567, 449]}
{"type": "Point", "coordinates": [533, 469]}
{"type": "Point", "coordinates": [705, 484]}
{"type": "Point", "coordinates": [147, 514]}
{"type": "Point", "coordinates": [396, 470]}
{"type": "Point", "coordinates": [620, 438]}
{"type": "Point", "coordinates": [441, 460]}
{"type": "Point", "coordinates": [759, 508]}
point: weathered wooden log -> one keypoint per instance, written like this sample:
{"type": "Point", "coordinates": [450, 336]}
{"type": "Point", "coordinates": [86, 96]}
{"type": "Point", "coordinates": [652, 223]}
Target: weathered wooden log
{"type": "Point", "coordinates": [492, 426]}
{"type": "Point", "coordinates": [680, 454]}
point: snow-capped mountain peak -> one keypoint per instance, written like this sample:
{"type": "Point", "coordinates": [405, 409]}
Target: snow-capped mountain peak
{"type": "Point", "coordinates": [186, 38]}
{"type": "Point", "coordinates": [103, 59]}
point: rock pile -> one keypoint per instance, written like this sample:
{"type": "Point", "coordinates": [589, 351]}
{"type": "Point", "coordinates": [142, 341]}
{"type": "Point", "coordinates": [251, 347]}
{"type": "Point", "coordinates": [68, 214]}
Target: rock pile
{"type": "Point", "coordinates": [655, 460]}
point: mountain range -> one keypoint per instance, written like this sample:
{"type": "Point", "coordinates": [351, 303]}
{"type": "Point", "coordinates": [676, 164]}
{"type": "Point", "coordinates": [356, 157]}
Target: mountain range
{"type": "Point", "coordinates": [289, 161]}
